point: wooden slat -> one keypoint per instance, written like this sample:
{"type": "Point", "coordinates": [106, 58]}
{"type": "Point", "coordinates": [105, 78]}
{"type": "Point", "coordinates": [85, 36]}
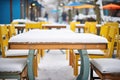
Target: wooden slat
{"type": "Point", "coordinates": [57, 45]}
{"type": "Point", "coordinates": [49, 27]}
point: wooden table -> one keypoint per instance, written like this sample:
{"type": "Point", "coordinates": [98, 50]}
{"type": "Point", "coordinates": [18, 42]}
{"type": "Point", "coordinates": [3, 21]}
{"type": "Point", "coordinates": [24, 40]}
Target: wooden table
{"type": "Point", "coordinates": [50, 26]}
{"type": "Point", "coordinates": [19, 27]}
{"type": "Point", "coordinates": [55, 26]}
{"type": "Point", "coordinates": [59, 39]}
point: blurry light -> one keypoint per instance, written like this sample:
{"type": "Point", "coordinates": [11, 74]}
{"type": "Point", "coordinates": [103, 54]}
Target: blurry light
{"type": "Point", "coordinates": [33, 4]}
{"type": "Point", "coordinates": [61, 4]}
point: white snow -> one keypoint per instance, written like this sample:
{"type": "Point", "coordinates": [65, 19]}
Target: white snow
{"type": "Point", "coordinates": [62, 35]}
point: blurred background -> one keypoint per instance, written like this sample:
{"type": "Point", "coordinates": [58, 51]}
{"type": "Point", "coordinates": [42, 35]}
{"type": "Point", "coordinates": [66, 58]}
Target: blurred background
{"type": "Point", "coordinates": [35, 10]}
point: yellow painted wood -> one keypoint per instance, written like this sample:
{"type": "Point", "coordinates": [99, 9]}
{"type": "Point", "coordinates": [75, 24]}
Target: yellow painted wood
{"type": "Point", "coordinates": [109, 33]}
{"type": "Point", "coordinates": [90, 27]}
{"type": "Point", "coordinates": [4, 45]}
{"type": "Point", "coordinates": [73, 25]}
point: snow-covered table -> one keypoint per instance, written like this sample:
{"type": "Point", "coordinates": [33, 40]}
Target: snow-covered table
{"type": "Point", "coordinates": [19, 26]}
{"type": "Point", "coordinates": [50, 26]}
{"type": "Point", "coordinates": [60, 39]}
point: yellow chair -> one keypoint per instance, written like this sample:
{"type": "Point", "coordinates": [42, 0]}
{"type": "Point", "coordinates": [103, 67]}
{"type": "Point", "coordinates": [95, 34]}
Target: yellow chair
{"type": "Point", "coordinates": [18, 29]}
{"type": "Point", "coordinates": [118, 45]}
{"type": "Point", "coordinates": [97, 53]}
{"type": "Point", "coordinates": [73, 25]}
{"type": "Point", "coordinates": [13, 72]}
{"type": "Point", "coordinates": [8, 53]}
{"type": "Point", "coordinates": [104, 31]}
{"type": "Point", "coordinates": [118, 49]}
{"type": "Point", "coordinates": [90, 27]}
{"type": "Point", "coordinates": [32, 25]}
{"type": "Point", "coordinates": [106, 68]}
{"type": "Point", "coordinates": [35, 25]}
{"type": "Point", "coordinates": [13, 68]}
{"type": "Point", "coordinates": [42, 52]}
{"type": "Point", "coordinates": [73, 28]}
{"type": "Point", "coordinates": [115, 25]}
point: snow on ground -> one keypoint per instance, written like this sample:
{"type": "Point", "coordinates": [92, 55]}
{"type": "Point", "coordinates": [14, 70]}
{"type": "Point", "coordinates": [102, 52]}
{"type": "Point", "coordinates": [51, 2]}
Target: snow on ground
{"type": "Point", "coordinates": [54, 66]}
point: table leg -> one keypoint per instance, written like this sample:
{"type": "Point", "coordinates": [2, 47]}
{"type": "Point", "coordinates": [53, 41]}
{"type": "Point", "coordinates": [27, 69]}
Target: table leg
{"type": "Point", "coordinates": [18, 31]}
{"type": "Point", "coordinates": [84, 71]}
{"type": "Point", "coordinates": [30, 65]}
{"type": "Point", "coordinates": [79, 30]}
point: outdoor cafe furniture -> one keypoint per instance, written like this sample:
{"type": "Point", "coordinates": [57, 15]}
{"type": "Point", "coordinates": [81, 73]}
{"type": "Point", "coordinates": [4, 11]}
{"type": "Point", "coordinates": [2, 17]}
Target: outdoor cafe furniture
{"type": "Point", "coordinates": [59, 39]}
{"type": "Point", "coordinates": [14, 53]}
{"type": "Point", "coordinates": [73, 25]}
{"type": "Point", "coordinates": [55, 26]}
{"type": "Point", "coordinates": [106, 68]}
{"type": "Point", "coordinates": [109, 33]}
{"type": "Point", "coordinates": [19, 27]}
{"type": "Point", "coordinates": [50, 26]}
{"type": "Point", "coordinates": [13, 68]}
{"type": "Point", "coordinates": [81, 26]}
{"type": "Point", "coordinates": [20, 24]}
